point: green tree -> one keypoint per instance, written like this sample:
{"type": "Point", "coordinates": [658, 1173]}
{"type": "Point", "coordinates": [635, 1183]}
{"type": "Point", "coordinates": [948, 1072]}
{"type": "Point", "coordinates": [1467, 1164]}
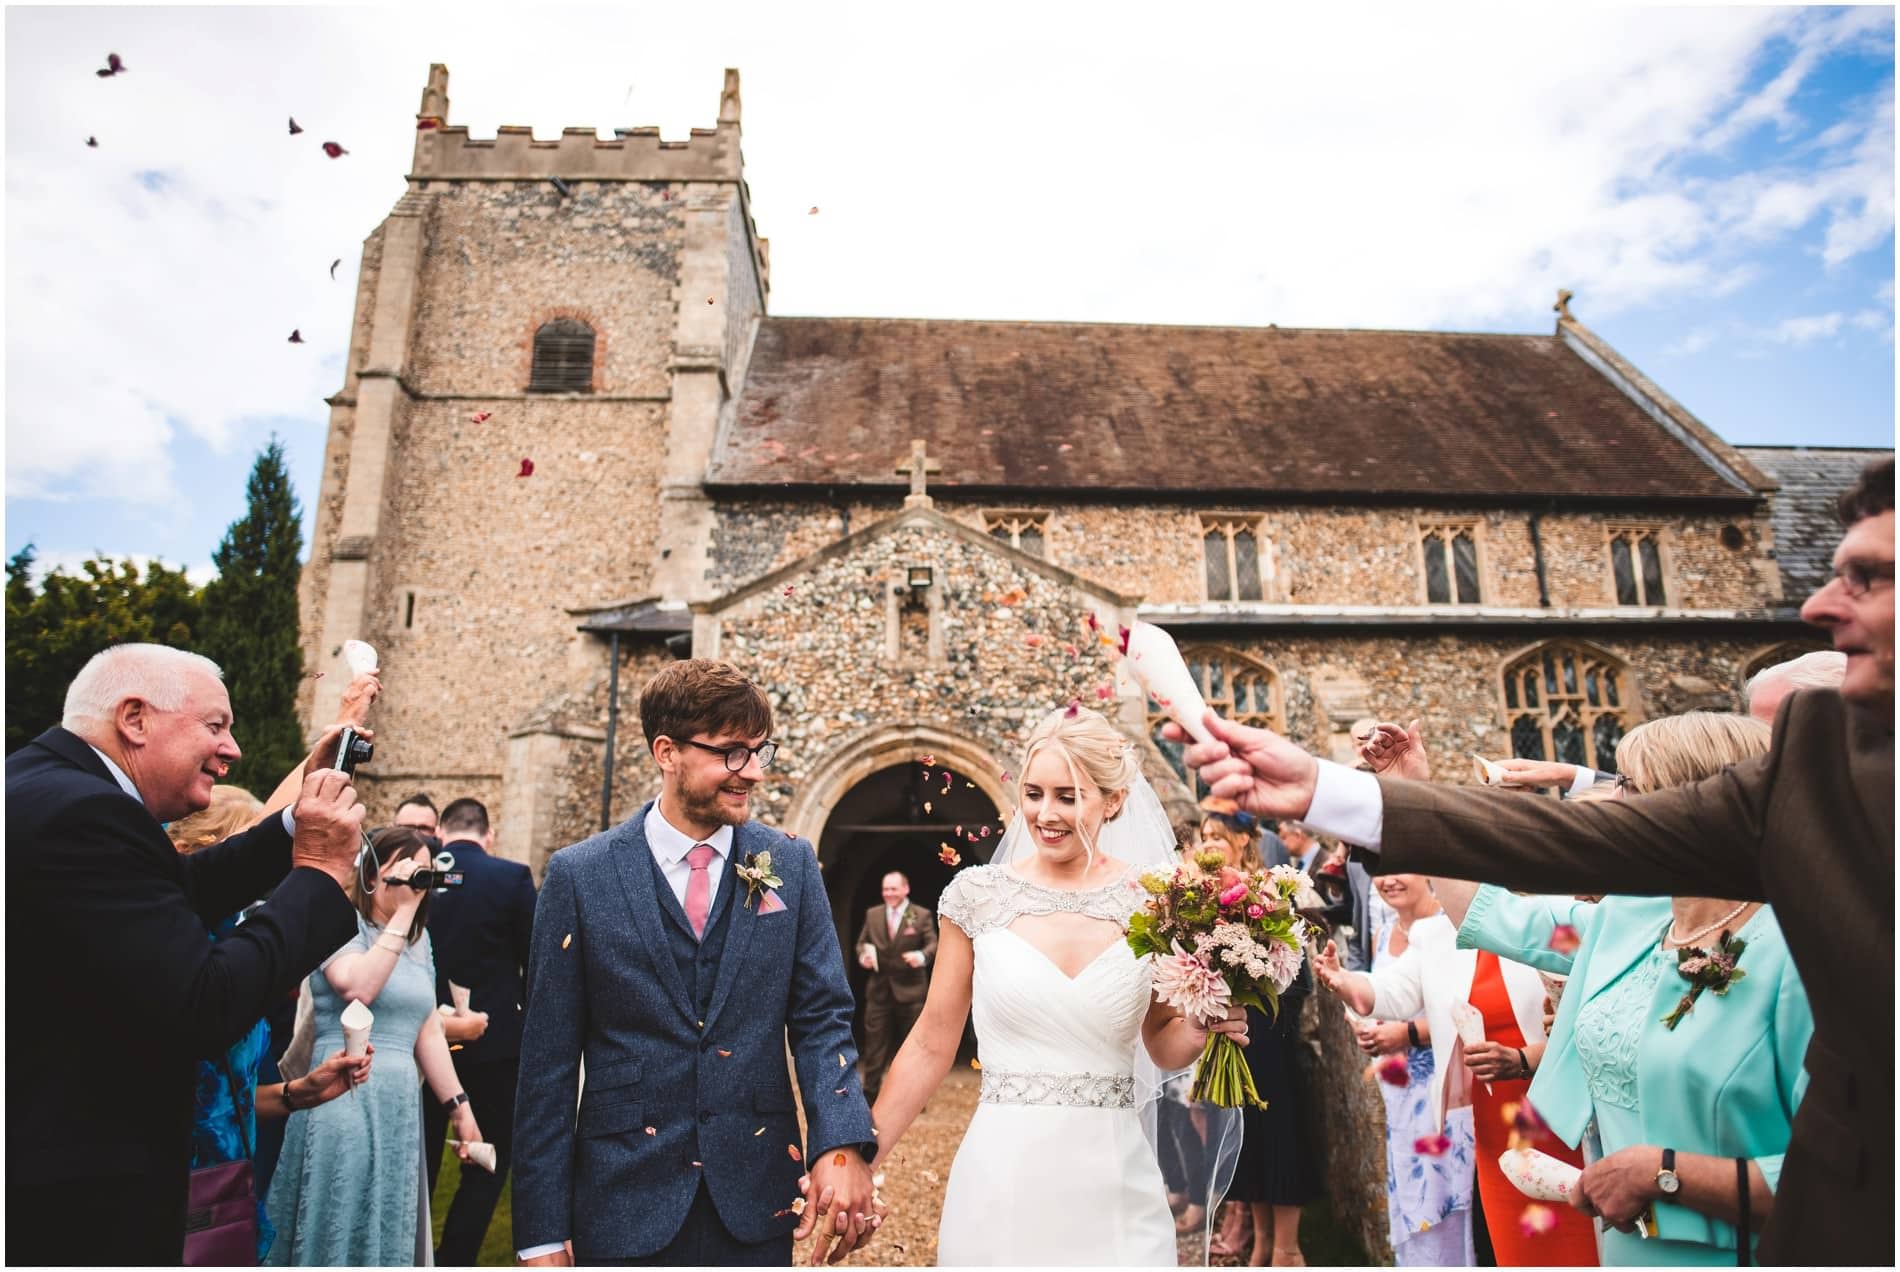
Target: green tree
{"type": "Point", "coordinates": [250, 624]}
{"type": "Point", "coordinates": [52, 629]}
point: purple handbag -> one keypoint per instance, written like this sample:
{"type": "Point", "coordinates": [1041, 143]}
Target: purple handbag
{"type": "Point", "coordinates": [221, 1212]}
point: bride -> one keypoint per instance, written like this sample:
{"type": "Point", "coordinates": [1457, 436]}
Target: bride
{"type": "Point", "coordinates": [1056, 1167]}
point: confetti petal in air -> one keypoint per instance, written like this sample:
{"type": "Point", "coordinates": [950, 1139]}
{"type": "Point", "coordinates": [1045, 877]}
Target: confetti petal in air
{"type": "Point", "coordinates": [712, 300]}
{"type": "Point", "coordinates": [724, 1054]}
{"type": "Point", "coordinates": [333, 264]}
{"type": "Point", "coordinates": [1105, 692]}
{"type": "Point", "coordinates": [455, 1046]}
{"type": "Point", "coordinates": [567, 940]}
{"type": "Point", "coordinates": [527, 468]}
{"type": "Point", "coordinates": [1070, 650]}
{"type": "Point", "coordinates": [813, 212]}
{"type": "Point", "coordinates": [296, 335]}
{"type": "Point", "coordinates": [1536, 1219]}
{"type": "Point", "coordinates": [929, 761]}
{"type": "Point", "coordinates": [791, 1150]}
{"type": "Point", "coordinates": [481, 417]}
{"type": "Point", "coordinates": [93, 142]}
{"type": "Point", "coordinates": [788, 591]}
{"type": "Point", "coordinates": [758, 1132]}
{"type": "Point", "coordinates": [985, 832]}
{"type": "Point", "coordinates": [652, 1131]}
{"type": "Point", "coordinates": [333, 150]}
{"type": "Point", "coordinates": [1432, 1145]}
{"type": "Point", "coordinates": [295, 128]}
{"type": "Point", "coordinates": [1032, 640]}
{"type": "Point", "coordinates": [425, 124]}
{"type": "Point", "coordinates": [1015, 596]}
{"type": "Point", "coordinates": [113, 67]}
{"type": "Point", "coordinates": [842, 1062]}
{"type": "Point", "coordinates": [926, 806]}
{"type": "Point", "coordinates": [949, 856]}
{"type": "Point", "coordinates": [1392, 1071]}
{"type": "Point", "coordinates": [1564, 939]}
{"type": "Point", "coordinates": [975, 1063]}
{"type": "Point", "coordinates": [1074, 708]}
{"type": "Point", "coordinates": [838, 1160]}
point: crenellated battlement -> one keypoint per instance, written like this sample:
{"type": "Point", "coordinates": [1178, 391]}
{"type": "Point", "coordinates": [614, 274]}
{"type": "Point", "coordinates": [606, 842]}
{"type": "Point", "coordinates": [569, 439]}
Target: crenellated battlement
{"type": "Point", "coordinates": [446, 152]}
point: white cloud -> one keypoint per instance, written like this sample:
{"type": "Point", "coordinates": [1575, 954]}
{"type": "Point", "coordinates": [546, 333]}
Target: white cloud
{"type": "Point", "coordinates": [1806, 329]}
{"type": "Point", "coordinates": [1441, 167]}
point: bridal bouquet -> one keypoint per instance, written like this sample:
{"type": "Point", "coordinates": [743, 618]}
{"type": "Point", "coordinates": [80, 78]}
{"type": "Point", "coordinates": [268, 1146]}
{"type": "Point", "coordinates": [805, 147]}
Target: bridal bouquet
{"type": "Point", "coordinates": [1221, 936]}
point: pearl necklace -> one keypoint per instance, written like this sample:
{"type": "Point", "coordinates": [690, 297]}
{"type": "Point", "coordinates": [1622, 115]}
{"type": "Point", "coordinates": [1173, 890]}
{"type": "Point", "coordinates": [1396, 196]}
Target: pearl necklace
{"type": "Point", "coordinates": [1670, 937]}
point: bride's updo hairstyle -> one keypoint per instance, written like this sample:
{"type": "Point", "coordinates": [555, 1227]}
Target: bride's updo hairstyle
{"type": "Point", "coordinates": [1097, 754]}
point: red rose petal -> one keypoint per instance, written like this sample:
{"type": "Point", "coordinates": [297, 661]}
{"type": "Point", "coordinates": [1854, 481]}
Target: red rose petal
{"type": "Point", "coordinates": [333, 150]}
{"type": "Point", "coordinates": [527, 468]}
{"type": "Point", "coordinates": [792, 1150]}
{"type": "Point", "coordinates": [1432, 1145]}
{"type": "Point", "coordinates": [296, 336]}
{"type": "Point", "coordinates": [481, 417]}
{"type": "Point", "coordinates": [294, 129]}
{"type": "Point", "coordinates": [1564, 939]}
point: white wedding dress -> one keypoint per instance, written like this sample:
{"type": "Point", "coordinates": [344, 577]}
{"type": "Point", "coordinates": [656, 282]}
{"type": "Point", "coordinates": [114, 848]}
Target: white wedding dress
{"type": "Point", "coordinates": [1054, 1168]}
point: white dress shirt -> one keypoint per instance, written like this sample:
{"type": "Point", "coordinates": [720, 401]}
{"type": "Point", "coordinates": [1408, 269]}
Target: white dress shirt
{"type": "Point", "coordinates": [669, 847]}
{"type": "Point", "coordinates": [1348, 805]}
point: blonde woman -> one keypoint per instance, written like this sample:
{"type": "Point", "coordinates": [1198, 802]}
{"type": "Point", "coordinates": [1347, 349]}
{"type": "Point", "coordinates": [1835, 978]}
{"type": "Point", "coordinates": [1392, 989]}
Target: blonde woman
{"type": "Point", "coordinates": [1056, 1167]}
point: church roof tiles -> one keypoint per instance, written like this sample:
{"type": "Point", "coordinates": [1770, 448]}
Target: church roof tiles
{"type": "Point", "coordinates": [1236, 411]}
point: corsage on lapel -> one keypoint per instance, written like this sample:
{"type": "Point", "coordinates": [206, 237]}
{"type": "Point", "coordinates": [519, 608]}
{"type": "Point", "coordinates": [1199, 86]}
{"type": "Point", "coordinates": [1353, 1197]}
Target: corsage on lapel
{"type": "Point", "coordinates": [759, 882]}
{"type": "Point", "coordinates": [1705, 970]}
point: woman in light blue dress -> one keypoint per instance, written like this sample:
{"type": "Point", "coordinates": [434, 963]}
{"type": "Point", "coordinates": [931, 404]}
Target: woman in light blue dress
{"type": "Point", "coordinates": [346, 1190]}
{"type": "Point", "coordinates": [1427, 1196]}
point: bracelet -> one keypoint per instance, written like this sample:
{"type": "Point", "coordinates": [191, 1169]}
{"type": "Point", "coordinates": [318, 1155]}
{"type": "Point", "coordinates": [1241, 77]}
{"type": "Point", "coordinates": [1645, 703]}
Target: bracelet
{"type": "Point", "coordinates": [459, 1098]}
{"type": "Point", "coordinates": [288, 1102]}
{"type": "Point", "coordinates": [396, 949]}
{"type": "Point", "coordinates": [1411, 1031]}
{"type": "Point", "coordinates": [1523, 1063]}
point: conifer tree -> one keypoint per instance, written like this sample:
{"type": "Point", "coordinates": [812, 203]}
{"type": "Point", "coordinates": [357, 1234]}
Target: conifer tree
{"type": "Point", "coordinates": [250, 625]}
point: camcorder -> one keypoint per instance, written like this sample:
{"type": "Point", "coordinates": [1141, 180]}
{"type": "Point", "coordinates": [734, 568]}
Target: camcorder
{"type": "Point", "coordinates": [352, 749]}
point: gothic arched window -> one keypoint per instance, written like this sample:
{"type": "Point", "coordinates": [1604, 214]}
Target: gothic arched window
{"type": "Point", "coordinates": [1566, 701]}
{"type": "Point", "coordinates": [563, 357]}
{"type": "Point", "coordinates": [1236, 686]}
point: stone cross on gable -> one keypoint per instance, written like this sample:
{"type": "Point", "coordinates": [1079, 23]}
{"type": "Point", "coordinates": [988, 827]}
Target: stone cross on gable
{"type": "Point", "coordinates": [918, 467]}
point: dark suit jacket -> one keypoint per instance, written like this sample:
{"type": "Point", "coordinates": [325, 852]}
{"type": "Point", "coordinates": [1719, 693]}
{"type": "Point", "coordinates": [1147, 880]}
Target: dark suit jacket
{"type": "Point", "coordinates": [604, 985]}
{"type": "Point", "coordinates": [480, 932]}
{"type": "Point", "coordinates": [1808, 828]}
{"type": "Point", "coordinates": [895, 977]}
{"type": "Point", "coordinates": [115, 989]}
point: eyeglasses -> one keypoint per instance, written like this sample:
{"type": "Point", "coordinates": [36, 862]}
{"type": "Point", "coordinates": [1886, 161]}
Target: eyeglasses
{"type": "Point", "coordinates": [1857, 580]}
{"type": "Point", "coordinates": [738, 755]}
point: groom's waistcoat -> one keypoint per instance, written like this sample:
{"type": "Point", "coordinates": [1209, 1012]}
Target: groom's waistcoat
{"type": "Point", "coordinates": [698, 959]}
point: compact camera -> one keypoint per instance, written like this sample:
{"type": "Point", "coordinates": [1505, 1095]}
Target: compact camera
{"type": "Point", "coordinates": [352, 749]}
{"type": "Point", "coordinates": [429, 877]}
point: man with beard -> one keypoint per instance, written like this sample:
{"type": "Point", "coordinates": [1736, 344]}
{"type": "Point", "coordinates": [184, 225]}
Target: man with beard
{"type": "Point", "coordinates": [680, 952]}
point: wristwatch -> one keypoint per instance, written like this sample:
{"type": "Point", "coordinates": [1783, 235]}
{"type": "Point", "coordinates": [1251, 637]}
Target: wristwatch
{"type": "Point", "coordinates": [1667, 1182]}
{"type": "Point", "coordinates": [461, 1097]}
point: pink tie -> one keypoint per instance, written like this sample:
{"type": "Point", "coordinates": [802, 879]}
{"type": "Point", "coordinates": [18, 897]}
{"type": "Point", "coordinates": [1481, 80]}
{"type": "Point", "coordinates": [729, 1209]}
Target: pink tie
{"type": "Point", "coordinates": [894, 919]}
{"type": "Point", "coordinates": [699, 887]}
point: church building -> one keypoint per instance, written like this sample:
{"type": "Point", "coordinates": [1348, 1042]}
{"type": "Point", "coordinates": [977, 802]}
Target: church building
{"type": "Point", "coordinates": [573, 442]}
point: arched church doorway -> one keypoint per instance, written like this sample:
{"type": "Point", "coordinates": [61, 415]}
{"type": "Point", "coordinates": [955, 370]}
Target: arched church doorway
{"type": "Point", "coordinates": [899, 818]}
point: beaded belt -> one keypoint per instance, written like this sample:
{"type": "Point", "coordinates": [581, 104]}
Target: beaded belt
{"type": "Point", "coordinates": [1079, 1090]}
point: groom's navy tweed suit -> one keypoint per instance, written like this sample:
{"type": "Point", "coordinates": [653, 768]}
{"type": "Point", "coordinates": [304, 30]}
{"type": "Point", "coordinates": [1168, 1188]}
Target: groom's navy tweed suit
{"type": "Point", "coordinates": [684, 1039]}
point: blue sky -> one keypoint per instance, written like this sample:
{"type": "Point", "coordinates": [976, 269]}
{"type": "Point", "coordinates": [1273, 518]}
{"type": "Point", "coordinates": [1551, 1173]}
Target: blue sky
{"type": "Point", "coordinates": [1715, 184]}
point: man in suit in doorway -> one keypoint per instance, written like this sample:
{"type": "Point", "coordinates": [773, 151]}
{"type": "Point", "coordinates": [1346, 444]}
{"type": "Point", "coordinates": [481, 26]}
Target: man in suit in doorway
{"type": "Point", "coordinates": [896, 946]}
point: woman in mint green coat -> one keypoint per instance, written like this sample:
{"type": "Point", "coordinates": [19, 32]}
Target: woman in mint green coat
{"type": "Point", "coordinates": [1708, 1074]}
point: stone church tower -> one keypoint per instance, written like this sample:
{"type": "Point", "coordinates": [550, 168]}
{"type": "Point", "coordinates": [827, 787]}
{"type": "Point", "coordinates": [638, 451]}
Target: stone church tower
{"type": "Point", "coordinates": [641, 256]}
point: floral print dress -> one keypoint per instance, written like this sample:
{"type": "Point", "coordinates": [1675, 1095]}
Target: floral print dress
{"type": "Point", "coordinates": [1427, 1197]}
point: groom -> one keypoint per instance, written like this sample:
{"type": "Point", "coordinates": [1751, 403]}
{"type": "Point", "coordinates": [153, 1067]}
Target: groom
{"type": "Point", "coordinates": [665, 957]}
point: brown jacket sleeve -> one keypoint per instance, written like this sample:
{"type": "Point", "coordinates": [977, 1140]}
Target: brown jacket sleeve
{"type": "Point", "coordinates": [1703, 840]}
{"type": "Point", "coordinates": [927, 929]}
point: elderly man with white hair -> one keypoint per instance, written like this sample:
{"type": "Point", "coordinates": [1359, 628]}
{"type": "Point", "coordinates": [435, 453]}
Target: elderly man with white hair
{"type": "Point", "coordinates": [114, 988]}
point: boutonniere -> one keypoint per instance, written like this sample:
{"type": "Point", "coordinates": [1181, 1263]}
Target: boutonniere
{"type": "Point", "coordinates": [1706, 969]}
{"type": "Point", "coordinates": [758, 876]}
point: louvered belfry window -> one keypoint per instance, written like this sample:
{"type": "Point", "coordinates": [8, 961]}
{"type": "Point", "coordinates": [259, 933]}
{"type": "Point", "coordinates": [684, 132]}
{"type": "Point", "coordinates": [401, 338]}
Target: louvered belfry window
{"type": "Point", "coordinates": [563, 358]}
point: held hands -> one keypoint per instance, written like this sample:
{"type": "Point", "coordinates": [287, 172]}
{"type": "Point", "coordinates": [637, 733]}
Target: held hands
{"type": "Point", "coordinates": [1620, 1187]}
{"type": "Point", "coordinates": [1396, 749]}
{"type": "Point", "coordinates": [1257, 768]}
{"type": "Point", "coordinates": [840, 1205]}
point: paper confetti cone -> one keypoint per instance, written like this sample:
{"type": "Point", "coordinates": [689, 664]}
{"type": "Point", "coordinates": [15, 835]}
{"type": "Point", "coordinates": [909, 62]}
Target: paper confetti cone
{"type": "Point", "coordinates": [356, 1020]}
{"type": "Point", "coordinates": [1489, 773]}
{"type": "Point", "coordinates": [1470, 1023]}
{"type": "Point", "coordinates": [1152, 657]}
{"type": "Point", "coordinates": [482, 1153]}
{"type": "Point", "coordinates": [361, 656]}
{"type": "Point", "coordinates": [460, 994]}
{"type": "Point", "coordinates": [1538, 1174]}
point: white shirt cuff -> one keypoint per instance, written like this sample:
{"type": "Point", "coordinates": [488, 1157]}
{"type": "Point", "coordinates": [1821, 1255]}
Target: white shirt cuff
{"type": "Point", "coordinates": [1583, 781]}
{"type": "Point", "coordinates": [535, 1252]}
{"type": "Point", "coordinates": [290, 823]}
{"type": "Point", "coordinates": [1347, 804]}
